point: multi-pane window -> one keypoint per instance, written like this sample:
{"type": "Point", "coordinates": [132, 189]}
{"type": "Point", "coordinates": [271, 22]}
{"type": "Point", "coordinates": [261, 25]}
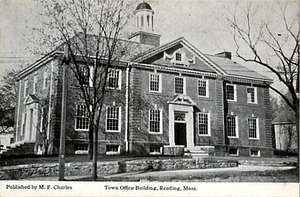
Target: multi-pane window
{"type": "Point", "coordinates": [84, 74]}
{"type": "Point", "coordinates": [232, 126]}
{"type": "Point", "coordinates": [252, 127]}
{"type": "Point", "coordinates": [155, 150]}
{"type": "Point", "coordinates": [155, 83]}
{"type": "Point", "coordinates": [178, 57]}
{"type": "Point", "coordinates": [113, 119]}
{"type": "Point", "coordinates": [82, 120]}
{"type": "Point", "coordinates": [114, 79]}
{"type": "Point", "coordinates": [154, 121]}
{"type": "Point", "coordinates": [112, 149]}
{"type": "Point", "coordinates": [179, 85]}
{"type": "Point", "coordinates": [230, 92]}
{"type": "Point", "coordinates": [26, 88]}
{"type": "Point", "coordinates": [251, 95]}
{"type": "Point", "coordinates": [202, 88]}
{"type": "Point", "coordinates": [203, 124]}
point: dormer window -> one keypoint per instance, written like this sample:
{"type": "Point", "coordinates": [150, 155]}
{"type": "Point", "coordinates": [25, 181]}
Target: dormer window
{"type": "Point", "coordinates": [178, 57]}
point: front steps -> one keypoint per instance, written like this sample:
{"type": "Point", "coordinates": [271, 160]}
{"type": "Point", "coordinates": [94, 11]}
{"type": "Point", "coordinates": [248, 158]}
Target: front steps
{"type": "Point", "coordinates": [19, 148]}
{"type": "Point", "coordinates": [199, 151]}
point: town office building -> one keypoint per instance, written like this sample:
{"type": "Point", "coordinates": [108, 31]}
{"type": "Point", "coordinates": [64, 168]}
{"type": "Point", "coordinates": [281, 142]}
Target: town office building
{"type": "Point", "coordinates": [169, 95]}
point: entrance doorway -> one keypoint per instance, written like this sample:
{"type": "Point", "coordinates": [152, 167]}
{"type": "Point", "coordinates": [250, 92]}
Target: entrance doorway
{"type": "Point", "coordinates": [180, 134]}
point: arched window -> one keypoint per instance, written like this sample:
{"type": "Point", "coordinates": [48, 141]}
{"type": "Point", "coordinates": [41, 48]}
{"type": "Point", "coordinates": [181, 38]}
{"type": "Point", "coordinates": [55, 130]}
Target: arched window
{"type": "Point", "coordinates": [148, 20]}
{"type": "Point", "coordinates": [142, 21]}
{"type": "Point", "coordinates": [152, 21]}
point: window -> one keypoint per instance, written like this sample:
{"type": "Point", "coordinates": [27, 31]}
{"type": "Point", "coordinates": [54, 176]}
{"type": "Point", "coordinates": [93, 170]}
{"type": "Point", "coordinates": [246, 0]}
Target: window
{"type": "Point", "coordinates": [251, 95]}
{"type": "Point", "coordinates": [155, 150]}
{"type": "Point", "coordinates": [34, 84]}
{"type": "Point", "coordinates": [231, 92]}
{"type": "Point", "coordinates": [202, 88]}
{"type": "Point", "coordinates": [82, 120]}
{"type": "Point", "coordinates": [113, 119]}
{"type": "Point", "coordinates": [45, 80]}
{"type": "Point", "coordinates": [114, 79]}
{"type": "Point", "coordinates": [155, 121]}
{"type": "Point", "coordinates": [178, 57]}
{"type": "Point", "coordinates": [81, 148]}
{"type": "Point", "coordinates": [84, 74]}
{"type": "Point", "coordinates": [253, 128]}
{"type": "Point", "coordinates": [232, 126]}
{"type": "Point", "coordinates": [155, 83]}
{"type": "Point", "coordinates": [179, 85]}
{"type": "Point", "coordinates": [23, 123]}
{"type": "Point", "coordinates": [203, 124]}
{"type": "Point", "coordinates": [254, 153]}
{"type": "Point", "coordinates": [233, 152]}
{"type": "Point", "coordinates": [112, 149]}
{"type": "Point", "coordinates": [179, 116]}
{"type": "Point", "coordinates": [25, 88]}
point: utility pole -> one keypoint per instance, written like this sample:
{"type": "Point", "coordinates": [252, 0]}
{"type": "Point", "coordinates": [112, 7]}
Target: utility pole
{"type": "Point", "coordinates": [65, 63]}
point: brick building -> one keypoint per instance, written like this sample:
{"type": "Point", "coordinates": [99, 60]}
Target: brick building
{"type": "Point", "coordinates": [166, 96]}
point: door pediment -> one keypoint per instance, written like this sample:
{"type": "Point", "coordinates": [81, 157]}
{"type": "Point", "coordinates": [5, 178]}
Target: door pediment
{"type": "Point", "coordinates": [31, 99]}
{"type": "Point", "coordinates": [182, 100]}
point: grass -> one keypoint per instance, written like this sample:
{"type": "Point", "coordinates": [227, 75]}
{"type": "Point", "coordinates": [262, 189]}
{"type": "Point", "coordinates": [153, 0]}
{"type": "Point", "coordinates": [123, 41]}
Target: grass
{"type": "Point", "coordinates": [229, 176]}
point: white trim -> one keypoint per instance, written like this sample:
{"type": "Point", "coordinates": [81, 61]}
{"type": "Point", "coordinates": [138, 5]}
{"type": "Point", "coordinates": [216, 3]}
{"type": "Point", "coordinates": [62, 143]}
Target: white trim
{"type": "Point", "coordinates": [234, 93]}
{"type": "Point", "coordinates": [257, 128]}
{"type": "Point", "coordinates": [184, 85]}
{"type": "Point", "coordinates": [159, 82]}
{"type": "Point", "coordinates": [119, 79]}
{"type": "Point", "coordinates": [34, 83]}
{"type": "Point", "coordinates": [119, 119]}
{"type": "Point", "coordinates": [156, 153]}
{"type": "Point", "coordinates": [45, 77]}
{"type": "Point", "coordinates": [113, 152]}
{"type": "Point", "coordinates": [255, 95]}
{"type": "Point", "coordinates": [207, 88]}
{"type": "Point", "coordinates": [208, 122]}
{"type": "Point", "coordinates": [81, 104]}
{"type": "Point", "coordinates": [236, 127]}
{"type": "Point", "coordinates": [25, 88]}
{"type": "Point", "coordinates": [258, 153]}
{"type": "Point", "coordinates": [18, 112]}
{"type": "Point", "coordinates": [237, 152]}
{"type": "Point", "coordinates": [160, 121]}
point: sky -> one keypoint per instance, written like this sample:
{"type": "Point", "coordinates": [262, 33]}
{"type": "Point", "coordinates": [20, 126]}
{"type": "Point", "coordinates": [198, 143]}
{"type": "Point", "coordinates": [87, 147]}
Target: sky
{"type": "Point", "coordinates": [200, 22]}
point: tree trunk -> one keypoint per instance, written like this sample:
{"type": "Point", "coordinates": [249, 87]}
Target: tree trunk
{"type": "Point", "coordinates": [95, 154]}
{"type": "Point", "coordinates": [297, 130]}
{"type": "Point", "coordinates": [90, 149]}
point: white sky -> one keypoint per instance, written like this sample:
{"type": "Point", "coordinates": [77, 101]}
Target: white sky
{"type": "Point", "coordinates": [199, 21]}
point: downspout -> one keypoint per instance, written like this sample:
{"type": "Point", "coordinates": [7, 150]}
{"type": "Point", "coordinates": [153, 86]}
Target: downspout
{"type": "Point", "coordinates": [128, 69]}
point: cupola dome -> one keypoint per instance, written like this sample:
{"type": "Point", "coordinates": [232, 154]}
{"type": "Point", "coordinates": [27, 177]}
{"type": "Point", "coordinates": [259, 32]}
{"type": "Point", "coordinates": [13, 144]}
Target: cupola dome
{"type": "Point", "coordinates": [143, 6]}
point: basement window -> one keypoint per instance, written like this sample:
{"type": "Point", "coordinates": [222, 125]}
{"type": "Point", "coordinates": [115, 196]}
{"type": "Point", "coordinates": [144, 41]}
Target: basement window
{"type": "Point", "coordinates": [81, 148]}
{"type": "Point", "coordinates": [254, 153]}
{"type": "Point", "coordinates": [112, 149]}
{"type": "Point", "coordinates": [155, 150]}
{"type": "Point", "coordinates": [233, 152]}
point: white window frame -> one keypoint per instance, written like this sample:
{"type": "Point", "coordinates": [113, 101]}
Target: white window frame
{"type": "Point", "coordinates": [76, 116]}
{"type": "Point", "coordinates": [119, 119]}
{"type": "Point", "coordinates": [255, 95]}
{"type": "Point", "coordinates": [181, 56]}
{"type": "Point", "coordinates": [237, 152]}
{"type": "Point", "coordinates": [156, 153]}
{"type": "Point", "coordinates": [34, 84]}
{"type": "Point", "coordinates": [206, 86]}
{"type": "Point", "coordinates": [257, 128]}
{"type": "Point", "coordinates": [236, 126]}
{"type": "Point", "coordinates": [159, 82]}
{"type": "Point", "coordinates": [25, 88]}
{"type": "Point", "coordinates": [234, 94]}
{"type": "Point", "coordinates": [160, 121]}
{"type": "Point", "coordinates": [251, 155]}
{"type": "Point", "coordinates": [45, 78]}
{"type": "Point", "coordinates": [113, 152]}
{"type": "Point", "coordinates": [119, 80]}
{"type": "Point", "coordinates": [184, 85]}
{"type": "Point", "coordinates": [208, 124]}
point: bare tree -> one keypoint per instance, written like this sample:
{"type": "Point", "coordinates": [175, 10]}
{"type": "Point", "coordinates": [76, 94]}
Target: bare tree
{"type": "Point", "coordinates": [254, 37]}
{"type": "Point", "coordinates": [91, 32]}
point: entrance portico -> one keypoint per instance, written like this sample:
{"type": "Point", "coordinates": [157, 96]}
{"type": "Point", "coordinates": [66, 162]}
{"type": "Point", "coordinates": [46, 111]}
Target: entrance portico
{"type": "Point", "coordinates": [181, 121]}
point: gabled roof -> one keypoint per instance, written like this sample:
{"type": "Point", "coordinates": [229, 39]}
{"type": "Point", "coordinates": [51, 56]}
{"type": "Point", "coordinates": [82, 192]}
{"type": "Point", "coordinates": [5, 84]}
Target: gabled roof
{"type": "Point", "coordinates": [154, 51]}
{"type": "Point", "coordinates": [285, 117]}
{"type": "Point", "coordinates": [31, 98]}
